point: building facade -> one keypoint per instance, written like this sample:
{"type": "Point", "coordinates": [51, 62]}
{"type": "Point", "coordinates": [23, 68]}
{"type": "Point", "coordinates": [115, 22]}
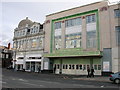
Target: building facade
{"type": "Point", "coordinates": [6, 56]}
{"type": "Point", "coordinates": [82, 37]}
{"type": "Point", "coordinates": [28, 46]}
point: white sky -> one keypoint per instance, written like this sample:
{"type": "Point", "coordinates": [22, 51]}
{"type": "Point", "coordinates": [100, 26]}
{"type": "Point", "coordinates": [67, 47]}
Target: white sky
{"type": "Point", "coordinates": [13, 11]}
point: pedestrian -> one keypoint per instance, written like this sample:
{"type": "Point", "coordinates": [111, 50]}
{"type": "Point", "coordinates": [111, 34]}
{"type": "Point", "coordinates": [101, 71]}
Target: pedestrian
{"type": "Point", "coordinates": [92, 72]}
{"type": "Point", "coordinates": [88, 70]}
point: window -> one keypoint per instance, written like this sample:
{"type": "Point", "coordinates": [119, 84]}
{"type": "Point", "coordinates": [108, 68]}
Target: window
{"type": "Point", "coordinates": [63, 66]}
{"type": "Point", "coordinates": [77, 66]}
{"type": "Point", "coordinates": [58, 66]}
{"type": "Point", "coordinates": [73, 66]}
{"type": "Point", "coordinates": [7, 56]}
{"type": "Point", "coordinates": [57, 25]}
{"type": "Point", "coordinates": [84, 67]}
{"type": "Point", "coordinates": [117, 31]}
{"type": "Point", "coordinates": [95, 67]}
{"type": "Point", "coordinates": [99, 67]}
{"type": "Point", "coordinates": [91, 39]}
{"type": "Point", "coordinates": [73, 22]}
{"type": "Point", "coordinates": [57, 42]}
{"type": "Point", "coordinates": [66, 66]}
{"type": "Point", "coordinates": [69, 66]}
{"type": "Point", "coordinates": [20, 57]}
{"type": "Point", "coordinates": [91, 18]}
{"type": "Point", "coordinates": [117, 13]}
{"type": "Point", "coordinates": [73, 40]}
{"type": "Point", "coordinates": [81, 67]}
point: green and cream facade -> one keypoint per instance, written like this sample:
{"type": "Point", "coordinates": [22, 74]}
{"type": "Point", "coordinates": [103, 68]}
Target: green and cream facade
{"type": "Point", "coordinates": [75, 39]}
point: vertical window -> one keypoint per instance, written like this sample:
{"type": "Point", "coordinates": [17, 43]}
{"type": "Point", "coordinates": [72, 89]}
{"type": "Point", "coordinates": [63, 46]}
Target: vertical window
{"type": "Point", "coordinates": [95, 67]}
{"type": "Point", "coordinates": [69, 66]}
{"type": "Point", "coordinates": [58, 66]}
{"type": "Point", "coordinates": [117, 31]}
{"type": "Point", "coordinates": [84, 67]}
{"type": "Point", "coordinates": [73, 66]}
{"type": "Point", "coordinates": [99, 67]}
{"type": "Point", "coordinates": [77, 67]}
{"type": "Point", "coordinates": [7, 55]}
{"type": "Point", "coordinates": [81, 67]}
{"type": "Point", "coordinates": [63, 66]}
{"type": "Point", "coordinates": [66, 66]}
{"type": "Point", "coordinates": [91, 39]}
{"type": "Point", "coordinates": [117, 13]}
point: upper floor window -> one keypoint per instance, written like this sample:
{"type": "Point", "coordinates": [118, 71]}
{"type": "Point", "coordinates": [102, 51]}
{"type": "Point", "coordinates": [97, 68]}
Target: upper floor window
{"type": "Point", "coordinates": [91, 18]}
{"type": "Point", "coordinates": [117, 13]}
{"type": "Point", "coordinates": [73, 22]}
{"type": "Point", "coordinates": [57, 25]}
{"type": "Point", "coordinates": [117, 31]}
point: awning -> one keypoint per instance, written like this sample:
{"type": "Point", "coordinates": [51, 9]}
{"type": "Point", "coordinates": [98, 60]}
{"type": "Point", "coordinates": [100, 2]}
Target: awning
{"type": "Point", "coordinates": [33, 55]}
{"type": "Point", "coordinates": [33, 60]}
{"type": "Point", "coordinates": [19, 62]}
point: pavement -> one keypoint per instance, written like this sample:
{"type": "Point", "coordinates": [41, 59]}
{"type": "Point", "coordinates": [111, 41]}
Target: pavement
{"type": "Point", "coordinates": [96, 78]}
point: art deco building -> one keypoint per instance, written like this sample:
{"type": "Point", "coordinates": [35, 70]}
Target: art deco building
{"type": "Point", "coordinates": [82, 37]}
{"type": "Point", "coordinates": [28, 45]}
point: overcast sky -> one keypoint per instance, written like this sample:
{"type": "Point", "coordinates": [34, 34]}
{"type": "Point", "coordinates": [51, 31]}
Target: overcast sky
{"type": "Point", "coordinates": [12, 12]}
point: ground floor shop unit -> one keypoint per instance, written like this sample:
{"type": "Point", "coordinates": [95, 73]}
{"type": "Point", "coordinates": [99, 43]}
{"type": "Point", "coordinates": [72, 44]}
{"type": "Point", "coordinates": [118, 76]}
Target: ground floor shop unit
{"type": "Point", "coordinates": [29, 61]}
{"type": "Point", "coordinates": [76, 65]}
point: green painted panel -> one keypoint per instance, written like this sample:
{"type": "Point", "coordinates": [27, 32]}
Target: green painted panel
{"type": "Point", "coordinates": [96, 61]}
{"type": "Point", "coordinates": [73, 61]}
{"type": "Point", "coordinates": [73, 52]}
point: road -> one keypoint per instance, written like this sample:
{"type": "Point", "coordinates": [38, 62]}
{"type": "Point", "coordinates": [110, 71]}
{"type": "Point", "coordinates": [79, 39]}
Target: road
{"type": "Point", "coordinates": [17, 79]}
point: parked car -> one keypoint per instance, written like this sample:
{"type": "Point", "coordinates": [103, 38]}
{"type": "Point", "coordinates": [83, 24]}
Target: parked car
{"type": "Point", "coordinates": [115, 77]}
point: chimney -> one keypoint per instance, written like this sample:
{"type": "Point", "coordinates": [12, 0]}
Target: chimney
{"type": "Point", "coordinates": [8, 45]}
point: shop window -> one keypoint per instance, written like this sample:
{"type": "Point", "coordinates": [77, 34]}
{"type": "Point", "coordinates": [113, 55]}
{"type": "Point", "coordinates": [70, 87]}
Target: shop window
{"type": "Point", "coordinates": [95, 67]}
{"type": "Point", "coordinates": [69, 66]}
{"type": "Point", "coordinates": [27, 65]}
{"type": "Point", "coordinates": [55, 65]}
{"type": "Point", "coordinates": [81, 67]}
{"type": "Point", "coordinates": [99, 67]}
{"type": "Point", "coordinates": [63, 66]}
{"type": "Point", "coordinates": [66, 66]}
{"type": "Point", "coordinates": [73, 66]}
{"type": "Point", "coordinates": [88, 66]}
{"type": "Point", "coordinates": [84, 67]}
{"type": "Point", "coordinates": [58, 66]}
{"type": "Point", "coordinates": [77, 67]}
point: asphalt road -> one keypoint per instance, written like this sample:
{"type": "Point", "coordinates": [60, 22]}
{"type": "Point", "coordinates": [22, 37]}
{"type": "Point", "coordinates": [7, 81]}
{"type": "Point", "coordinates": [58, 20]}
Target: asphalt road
{"type": "Point", "coordinates": [17, 79]}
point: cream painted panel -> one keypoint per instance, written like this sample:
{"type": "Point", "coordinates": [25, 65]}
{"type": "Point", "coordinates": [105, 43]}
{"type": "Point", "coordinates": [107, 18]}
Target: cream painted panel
{"type": "Point", "coordinates": [74, 29]}
{"type": "Point", "coordinates": [91, 26]}
{"type": "Point", "coordinates": [58, 32]}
